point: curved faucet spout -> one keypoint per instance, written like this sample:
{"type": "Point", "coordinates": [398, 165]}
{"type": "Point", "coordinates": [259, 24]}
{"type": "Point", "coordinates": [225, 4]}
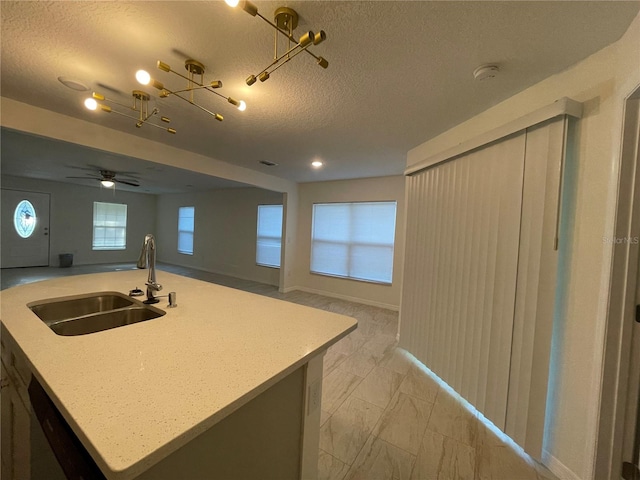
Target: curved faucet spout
{"type": "Point", "coordinates": [148, 260]}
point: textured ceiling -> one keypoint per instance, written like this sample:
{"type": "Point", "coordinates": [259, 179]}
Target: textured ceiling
{"type": "Point", "coordinates": [399, 72]}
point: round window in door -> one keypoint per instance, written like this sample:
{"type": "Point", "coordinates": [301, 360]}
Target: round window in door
{"type": "Point", "coordinates": [24, 219]}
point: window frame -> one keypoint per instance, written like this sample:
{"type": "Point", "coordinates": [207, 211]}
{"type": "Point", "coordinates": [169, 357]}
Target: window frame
{"type": "Point", "coordinates": [259, 237]}
{"type": "Point", "coordinates": [191, 232]}
{"type": "Point", "coordinates": [350, 245]}
{"type": "Point", "coordinates": [96, 225]}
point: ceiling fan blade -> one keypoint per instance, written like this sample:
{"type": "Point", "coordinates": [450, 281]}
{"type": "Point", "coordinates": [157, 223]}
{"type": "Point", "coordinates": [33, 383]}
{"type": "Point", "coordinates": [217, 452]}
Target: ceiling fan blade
{"type": "Point", "coordinates": [87, 178]}
{"type": "Point", "coordinates": [126, 183]}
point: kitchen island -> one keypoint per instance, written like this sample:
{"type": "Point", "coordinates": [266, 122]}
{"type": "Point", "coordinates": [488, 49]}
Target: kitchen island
{"type": "Point", "coordinates": [228, 383]}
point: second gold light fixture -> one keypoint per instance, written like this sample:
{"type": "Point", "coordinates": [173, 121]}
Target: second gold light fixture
{"type": "Point", "coordinates": [194, 69]}
{"type": "Point", "coordinates": [286, 21]}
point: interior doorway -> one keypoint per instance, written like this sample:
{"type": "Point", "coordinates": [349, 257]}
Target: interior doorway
{"type": "Point", "coordinates": [25, 229]}
{"type": "Point", "coordinates": [618, 448]}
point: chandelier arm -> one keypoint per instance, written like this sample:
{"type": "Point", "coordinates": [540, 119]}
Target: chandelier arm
{"type": "Point", "coordinates": [191, 89]}
{"type": "Point", "coordinates": [286, 54]}
{"type": "Point", "coordinates": [125, 115]}
{"type": "Point", "coordinates": [129, 107]}
{"type": "Point", "coordinates": [217, 116]}
{"type": "Point", "coordinates": [277, 60]}
{"type": "Point", "coordinates": [187, 78]}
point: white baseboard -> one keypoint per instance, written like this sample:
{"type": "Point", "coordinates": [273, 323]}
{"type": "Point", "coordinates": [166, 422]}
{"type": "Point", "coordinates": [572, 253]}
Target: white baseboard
{"type": "Point", "coordinates": [558, 468]}
{"type": "Point", "coordinates": [325, 293]}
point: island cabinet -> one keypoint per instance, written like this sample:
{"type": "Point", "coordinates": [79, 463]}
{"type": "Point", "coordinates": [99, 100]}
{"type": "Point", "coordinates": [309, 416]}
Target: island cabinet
{"type": "Point", "coordinates": [225, 386]}
{"type": "Point", "coordinates": [24, 449]}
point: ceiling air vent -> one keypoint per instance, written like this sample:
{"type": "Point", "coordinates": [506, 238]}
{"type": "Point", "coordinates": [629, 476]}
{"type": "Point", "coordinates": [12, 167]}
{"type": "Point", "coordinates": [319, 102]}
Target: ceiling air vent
{"type": "Point", "coordinates": [267, 163]}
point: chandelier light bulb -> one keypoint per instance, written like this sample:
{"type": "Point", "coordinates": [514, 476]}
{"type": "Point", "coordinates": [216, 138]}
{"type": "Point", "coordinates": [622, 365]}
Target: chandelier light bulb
{"type": "Point", "coordinates": [91, 104]}
{"type": "Point", "coordinates": [316, 164]}
{"type": "Point", "coordinates": [232, 3]}
{"type": "Point", "coordinates": [243, 106]}
{"type": "Point", "coordinates": [107, 183]}
{"type": "Point", "coordinates": [143, 77]}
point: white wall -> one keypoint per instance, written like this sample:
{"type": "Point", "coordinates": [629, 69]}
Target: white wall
{"type": "Point", "coordinates": [225, 231]}
{"type": "Point", "coordinates": [367, 189]}
{"type": "Point", "coordinates": [71, 219]}
{"type": "Point", "coordinates": [601, 82]}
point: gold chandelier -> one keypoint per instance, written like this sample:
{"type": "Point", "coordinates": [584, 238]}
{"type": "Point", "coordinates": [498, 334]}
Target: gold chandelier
{"type": "Point", "coordinates": [140, 105]}
{"type": "Point", "coordinates": [286, 21]}
{"type": "Point", "coordinates": [195, 69]}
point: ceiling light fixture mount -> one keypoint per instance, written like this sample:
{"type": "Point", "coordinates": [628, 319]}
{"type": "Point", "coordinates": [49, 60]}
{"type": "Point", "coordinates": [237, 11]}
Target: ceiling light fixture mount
{"type": "Point", "coordinates": [194, 70]}
{"type": "Point", "coordinates": [285, 22]}
{"type": "Point", "coordinates": [140, 105]}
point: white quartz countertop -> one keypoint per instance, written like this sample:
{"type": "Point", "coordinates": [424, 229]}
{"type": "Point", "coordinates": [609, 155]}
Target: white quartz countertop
{"type": "Point", "coordinates": [137, 393]}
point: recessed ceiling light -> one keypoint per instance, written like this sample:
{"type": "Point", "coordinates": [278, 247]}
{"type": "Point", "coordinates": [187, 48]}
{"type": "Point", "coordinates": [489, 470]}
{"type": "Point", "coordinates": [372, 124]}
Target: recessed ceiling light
{"type": "Point", "coordinates": [316, 164]}
{"type": "Point", "coordinates": [73, 84]}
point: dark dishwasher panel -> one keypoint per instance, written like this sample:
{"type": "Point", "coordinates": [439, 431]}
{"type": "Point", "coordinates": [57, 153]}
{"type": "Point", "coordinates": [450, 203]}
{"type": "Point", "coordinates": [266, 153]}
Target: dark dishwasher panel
{"type": "Point", "coordinates": [73, 458]}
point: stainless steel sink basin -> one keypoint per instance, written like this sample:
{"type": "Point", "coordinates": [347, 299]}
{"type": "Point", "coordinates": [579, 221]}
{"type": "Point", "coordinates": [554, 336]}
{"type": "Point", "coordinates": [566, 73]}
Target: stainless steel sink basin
{"type": "Point", "coordinates": [55, 309]}
{"type": "Point", "coordinates": [92, 312]}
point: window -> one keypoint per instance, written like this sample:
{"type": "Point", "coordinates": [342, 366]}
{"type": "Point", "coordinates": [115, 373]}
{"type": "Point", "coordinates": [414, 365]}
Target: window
{"type": "Point", "coordinates": [109, 226]}
{"type": "Point", "coordinates": [354, 240]}
{"type": "Point", "coordinates": [186, 220]}
{"type": "Point", "coordinates": [24, 219]}
{"type": "Point", "coordinates": [269, 241]}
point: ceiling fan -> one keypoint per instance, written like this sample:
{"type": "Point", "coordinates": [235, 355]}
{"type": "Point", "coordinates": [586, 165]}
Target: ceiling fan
{"type": "Point", "coordinates": [108, 179]}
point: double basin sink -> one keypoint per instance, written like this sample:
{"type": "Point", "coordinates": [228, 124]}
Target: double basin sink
{"type": "Point", "coordinates": [92, 312]}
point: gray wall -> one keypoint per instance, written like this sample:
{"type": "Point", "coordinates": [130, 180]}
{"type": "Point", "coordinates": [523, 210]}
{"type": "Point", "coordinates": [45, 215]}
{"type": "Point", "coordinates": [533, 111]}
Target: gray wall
{"type": "Point", "coordinates": [71, 219]}
{"type": "Point", "coordinates": [225, 231]}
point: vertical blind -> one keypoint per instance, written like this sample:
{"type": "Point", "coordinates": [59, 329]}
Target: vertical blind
{"type": "Point", "coordinates": [480, 274]}
{"type": "Point", "coordinates": [269, 236]}
{"type": "Point", "coordinates": [459, 285]}
{"type": "Point", "coordinates": [109, 226]}
{"type": "Point", "coordinates": [186, 228]}
{"type": "Point", "coordinates": [354, 240]}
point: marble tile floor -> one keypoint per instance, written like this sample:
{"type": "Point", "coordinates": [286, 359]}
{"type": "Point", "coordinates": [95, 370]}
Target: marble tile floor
{"type": "Point", "coordinates": [384, 414]}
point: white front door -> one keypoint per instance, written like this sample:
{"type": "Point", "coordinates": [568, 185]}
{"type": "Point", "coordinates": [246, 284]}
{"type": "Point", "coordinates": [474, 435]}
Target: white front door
{"type": "Point", "coordinates": [24, 241]}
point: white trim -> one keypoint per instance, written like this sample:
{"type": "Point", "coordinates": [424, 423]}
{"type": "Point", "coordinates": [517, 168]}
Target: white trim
{"type": "Point", "coordinates": [348, 298]}
{"type": "Point", "coordinates": [563, 106]}
{"type": "Point", "coordinates": [558, 468]}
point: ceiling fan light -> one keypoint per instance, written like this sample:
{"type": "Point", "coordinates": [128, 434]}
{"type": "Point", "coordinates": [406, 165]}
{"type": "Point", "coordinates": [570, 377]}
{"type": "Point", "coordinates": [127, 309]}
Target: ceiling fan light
{"type": "Point", "coordinates": [264, 76]}
{"type": "Point", "coordinates": [90, 104]}
{"type": "Point", "coordinates": [107, 183]}
{"type": "Point", "coordinates": [216, 84]}
{"type": "Point", "coordinates": [251, 79]}
{"type": "Point", "coordinates": [242, 106]}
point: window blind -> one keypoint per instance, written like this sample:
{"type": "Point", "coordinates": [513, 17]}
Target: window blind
{"type": "Point", "coordinates": [354, 240]}
{"type": "Point", "coordinates": [109, 226]}
{"type": "Point", "coordinates": [269, 237]}
{"type": "Point", "coordinates": [186, 226]}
